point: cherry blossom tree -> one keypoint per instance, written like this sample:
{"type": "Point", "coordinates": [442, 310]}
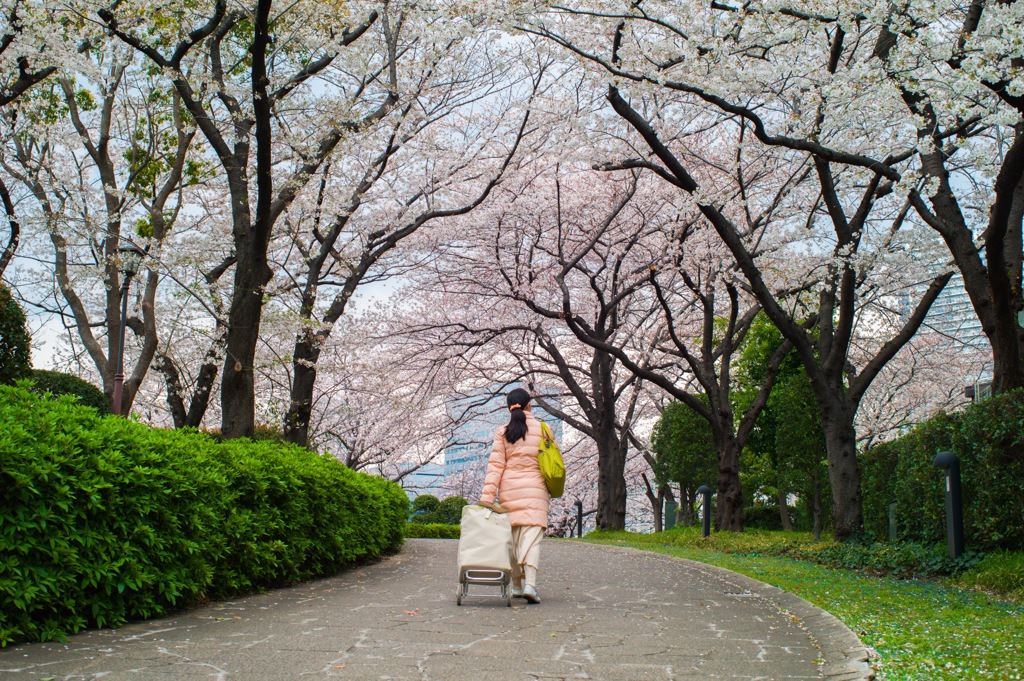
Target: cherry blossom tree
{"type": "Point", "coordinates": [105, 155]}
{"type": "Point", "coordinates": [663, 265]}
{"type": "Point", "coordinates": [494, 281]}
{"type": "Point", "coordinates": [657, 51]}
{"type": "Point", "coordinates": [244, 92]}
{"type": "Point", "coordinates": [433, 160]}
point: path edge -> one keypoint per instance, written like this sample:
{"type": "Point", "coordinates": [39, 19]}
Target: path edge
{"type": "Point", "coordinates": [846, 657]}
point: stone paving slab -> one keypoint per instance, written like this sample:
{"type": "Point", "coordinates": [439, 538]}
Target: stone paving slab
{"type": "Point", "coordinates": [606, 613]}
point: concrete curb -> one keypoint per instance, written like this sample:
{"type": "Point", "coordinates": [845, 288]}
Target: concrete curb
{"type": "Point", "coordinates": [844, 655]}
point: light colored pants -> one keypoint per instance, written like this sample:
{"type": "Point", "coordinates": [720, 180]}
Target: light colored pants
{"type": "Point", "coordinates": [525, 554]}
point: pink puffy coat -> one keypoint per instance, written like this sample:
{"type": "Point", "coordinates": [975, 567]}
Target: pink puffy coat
{"type": "Point", "coordinates": [513, 474]}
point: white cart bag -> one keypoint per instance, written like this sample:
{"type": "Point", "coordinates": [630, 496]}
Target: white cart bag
{"type": "Point", "coordinates": [485, 552]}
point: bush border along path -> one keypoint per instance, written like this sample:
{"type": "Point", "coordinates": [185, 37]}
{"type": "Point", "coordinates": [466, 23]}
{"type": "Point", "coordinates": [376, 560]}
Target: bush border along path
{"type": "Point", "coordinates": [920, 629]}
{"type": "Point", "coordinates": [105, 520]}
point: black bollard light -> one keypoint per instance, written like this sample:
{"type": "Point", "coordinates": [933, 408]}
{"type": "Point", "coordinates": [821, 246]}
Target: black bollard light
{"type": "Point", "coordinates": [706, 491]}
{"type": "Point", "coordinates": [579, 518]}
{"type": "Point", "coordinates": [954, 506]}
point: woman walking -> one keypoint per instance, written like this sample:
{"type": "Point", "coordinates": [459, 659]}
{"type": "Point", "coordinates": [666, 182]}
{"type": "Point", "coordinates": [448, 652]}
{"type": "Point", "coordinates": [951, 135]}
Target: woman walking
{"type": "Point", "coordinates": [513, 475]}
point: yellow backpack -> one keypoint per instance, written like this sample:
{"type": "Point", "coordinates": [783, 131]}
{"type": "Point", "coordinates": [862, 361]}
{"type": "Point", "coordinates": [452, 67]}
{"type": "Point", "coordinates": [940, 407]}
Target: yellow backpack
{"type": "Point", "coordinates": [551, 465]}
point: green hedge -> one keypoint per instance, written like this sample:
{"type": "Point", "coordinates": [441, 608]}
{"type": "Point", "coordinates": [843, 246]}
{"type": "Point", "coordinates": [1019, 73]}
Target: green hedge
{"type": "Point", "coordinates": [105, 520]}
{"type": "Point", "coordinates": [431, 531]}
{"type": "Point", "coordinates": [57, 383]}
{"type": "Point", "coordinates": [988, 438]}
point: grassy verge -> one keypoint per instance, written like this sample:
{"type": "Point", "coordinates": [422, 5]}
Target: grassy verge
{"type": "Point", "coordinates": [921, 629]}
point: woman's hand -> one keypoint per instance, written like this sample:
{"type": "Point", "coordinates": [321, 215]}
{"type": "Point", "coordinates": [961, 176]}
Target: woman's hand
{"type": "Point", "coordinates": [496, 507]}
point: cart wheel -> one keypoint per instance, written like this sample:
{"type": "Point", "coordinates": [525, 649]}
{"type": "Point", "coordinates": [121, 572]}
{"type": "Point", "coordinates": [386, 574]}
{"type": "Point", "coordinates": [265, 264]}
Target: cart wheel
{"type": "Point", "coordinates": [508, 600]}
{"type": "Point", "coordinates": [458, 596]}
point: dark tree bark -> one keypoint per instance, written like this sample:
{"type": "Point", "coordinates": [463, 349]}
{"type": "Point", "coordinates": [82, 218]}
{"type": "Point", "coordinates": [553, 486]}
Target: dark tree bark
{"type": "Point", "coordinates": [15, 227]}
{"type": "Point", "coordinates": [594, 379]}
{"type": "Point", "coordinates": [191, 416]}
{"type": "Point", "coordinates": [607, 420]}
{"type": "Point", "coordinates": [657, 500]}
{"type": "Point", "coordinates": [611, 446]}
{"type": "Point", "coordinates": [28, 75]}
{"type": "Point", "coordinates": [787, 522]}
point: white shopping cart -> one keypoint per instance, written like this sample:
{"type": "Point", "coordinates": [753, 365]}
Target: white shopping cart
{"type": "Point", "coordinates": [485, 553]}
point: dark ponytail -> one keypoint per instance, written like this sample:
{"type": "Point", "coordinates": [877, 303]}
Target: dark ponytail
{"type": "Point", "coordinates": [516, 428]}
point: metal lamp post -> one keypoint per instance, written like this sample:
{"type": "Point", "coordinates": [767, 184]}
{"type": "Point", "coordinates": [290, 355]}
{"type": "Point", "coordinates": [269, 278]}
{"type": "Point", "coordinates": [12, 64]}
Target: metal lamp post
{"type": "Point", "coordinates": [705, 491]}
{"type": "Point", "coordinates": [954, 506]}
{"type": "Point", "coordinates": [130, 256]}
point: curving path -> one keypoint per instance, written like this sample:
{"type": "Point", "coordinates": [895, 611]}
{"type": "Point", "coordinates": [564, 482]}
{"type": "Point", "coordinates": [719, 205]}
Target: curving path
{"type": "Point", "coordinates": [606, 613]}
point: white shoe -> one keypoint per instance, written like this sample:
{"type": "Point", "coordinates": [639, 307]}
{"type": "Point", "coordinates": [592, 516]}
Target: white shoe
{"type": "Point", "coordinates": [517, 592]}
{"type": "Point", "coordinates": [530, 594]}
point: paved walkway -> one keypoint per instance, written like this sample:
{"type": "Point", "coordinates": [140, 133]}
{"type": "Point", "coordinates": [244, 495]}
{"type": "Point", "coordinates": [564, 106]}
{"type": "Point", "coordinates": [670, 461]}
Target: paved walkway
{"type": "Point", "coordinates": [606, 613]}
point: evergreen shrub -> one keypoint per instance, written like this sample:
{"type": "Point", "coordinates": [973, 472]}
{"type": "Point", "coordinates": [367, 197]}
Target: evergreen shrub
{"type": "Point", "coordinates": [763, 517]}
{"type": "Point", "coordinates": [988, 439]}
{"type": "Point", "coordinates": [423, 504]}
{"type": "Point", "coordinates": [427, 509]}
{"type": "Point", "coordinates": [105, 520]}
{"type": "Point", "coordinates": [57, 383]}
{"type": "Point", "coordinates": [432, 531]}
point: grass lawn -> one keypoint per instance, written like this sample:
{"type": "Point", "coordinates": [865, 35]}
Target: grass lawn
{"type": "Point", "coordinates": [921, 629]}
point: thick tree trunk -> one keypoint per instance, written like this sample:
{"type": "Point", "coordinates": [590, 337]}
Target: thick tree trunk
{"type": "Point", "coordinates": [252, 239]}
{"type": "Point", "coordinates": [15, 227]}
{"type": "Point", "coordinates": [1008, 369]}
{"type": "Point", "coordinates": [611, 482]}
{"type": "Point", "coordinates": [841, 444]}
{"type": "Point", "coordinates": [729, 514]}
{"type": "Point", "coordinates": [296, 424]}
{"type": "Point", "coordinates": [817, 510]}
{"type": "Point", "coordinates": [685, 514]}
{"type": "Point", "coordinates": [787, 522]}
{"type": "Point", "coordinates": [237, 388]}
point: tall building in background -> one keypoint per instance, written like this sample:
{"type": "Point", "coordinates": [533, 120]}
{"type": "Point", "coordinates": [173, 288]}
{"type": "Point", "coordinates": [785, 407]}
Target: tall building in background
{"type": "Point", "coordinates": [428, 479]}
{"type": "Point", "coordinates": [477, 416]}
{"type": "Point", "coordinates": [953, 316]}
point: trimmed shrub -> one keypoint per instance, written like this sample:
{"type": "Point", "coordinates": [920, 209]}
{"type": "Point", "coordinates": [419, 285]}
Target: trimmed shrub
{"type": "Point", "coordinates": [432, 531]}
{"type": "Point", "coordinates": [15, 342]}
{"type": "Point", "coordinates": [423, 504]}
{"type": "Point", "coordinates": [763, 517]}
{"type": "Point", "coordinates": [988, 438]}
{"type": "Point", "coordinates": [430, 510]}
{"type": "Point", "coordinates": [105, 520]}
{"type": "Point", "coordinates": [57, 383]}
